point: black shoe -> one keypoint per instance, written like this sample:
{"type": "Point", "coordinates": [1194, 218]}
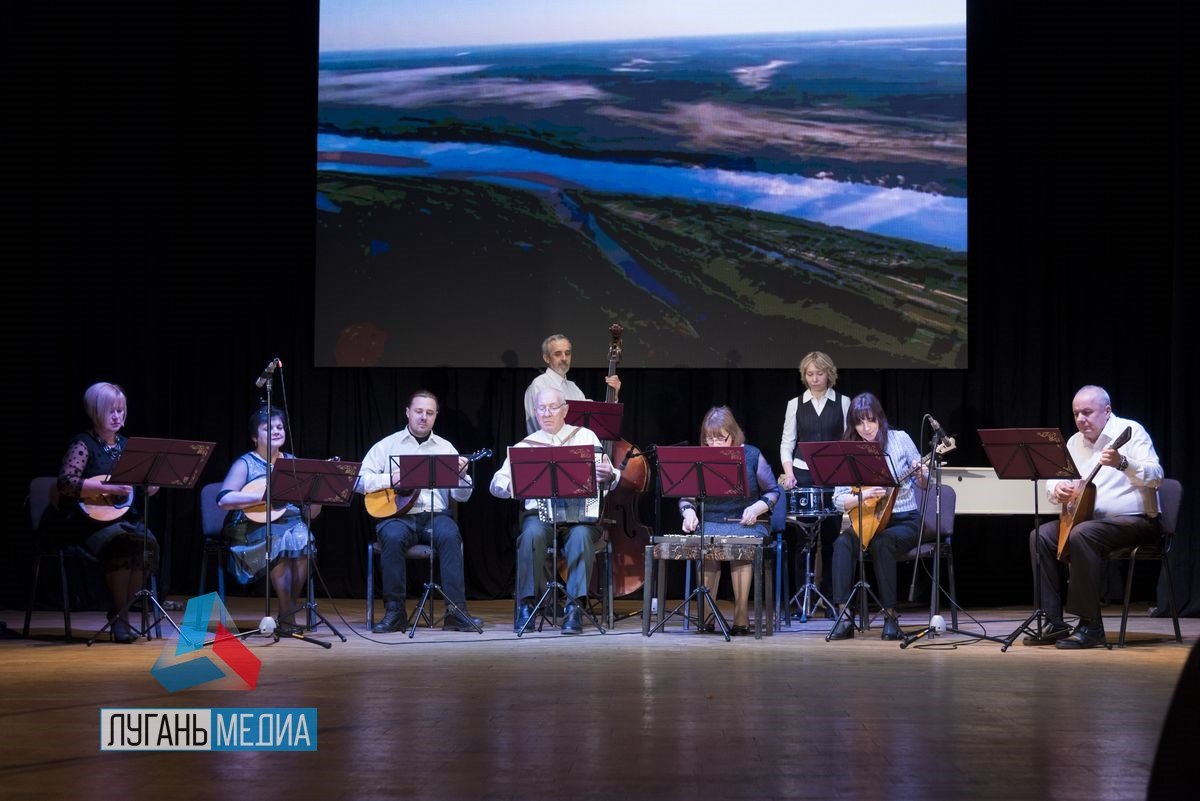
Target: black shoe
{"type": "Point", "coordinates": [457, 622]}
{"type": "Point", "coordinates": [738, 631]}
{"type": "Point", "coordinates": [121, 632]}
{"type": "Point", "coordinates": [891, 628]}
{"type": "Point", "coordinates": [573, 619]}
{"type": "Point", "coordinates": [844, 630]}
{"type": "Point", "coordinates": [1084, 636]}
{"type": "Point", "coordinates": [523, 613]}
{"type": "Point", "coordinates": [395, 619]}
{"type": "Point", "coordinates": [1054, 631]}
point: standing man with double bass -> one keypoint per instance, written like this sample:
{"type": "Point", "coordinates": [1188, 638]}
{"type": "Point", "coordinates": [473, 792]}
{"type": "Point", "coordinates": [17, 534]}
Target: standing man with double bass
{"type": "Point", "coordinates": [1125, 514]}
{"type": "Point", "coordinates": [556, 353]}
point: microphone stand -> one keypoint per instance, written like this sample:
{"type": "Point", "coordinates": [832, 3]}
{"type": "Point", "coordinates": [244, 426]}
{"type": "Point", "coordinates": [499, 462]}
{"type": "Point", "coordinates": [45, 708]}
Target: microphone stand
{"type": "Point", "coordinates": [272, 625]}
{"type": "Point", "coordinates": [937, 624]}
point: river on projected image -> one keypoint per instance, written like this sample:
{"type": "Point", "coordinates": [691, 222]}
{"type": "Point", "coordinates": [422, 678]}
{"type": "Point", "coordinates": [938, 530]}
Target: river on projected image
{"type": "Point", "coordinates": [923, 217]}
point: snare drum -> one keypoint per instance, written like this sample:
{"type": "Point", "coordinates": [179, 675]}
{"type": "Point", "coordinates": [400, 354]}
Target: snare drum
{"type": "Point", "coordinates": [810, 502]}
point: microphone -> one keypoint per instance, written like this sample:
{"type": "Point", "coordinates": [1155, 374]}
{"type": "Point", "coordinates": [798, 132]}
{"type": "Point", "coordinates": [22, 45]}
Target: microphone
{"type": "Point", "coordinates": [634, 453]}
{"type": "Point", "coordinates": [938, 433]}
{"type": "Point", "coordinates": [265, 375]}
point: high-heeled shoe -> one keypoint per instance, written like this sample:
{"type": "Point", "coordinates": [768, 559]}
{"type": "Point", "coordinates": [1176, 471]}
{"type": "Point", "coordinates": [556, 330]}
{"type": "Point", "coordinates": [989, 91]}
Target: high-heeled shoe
{"type": "Point", "coordinates": [121, 632]}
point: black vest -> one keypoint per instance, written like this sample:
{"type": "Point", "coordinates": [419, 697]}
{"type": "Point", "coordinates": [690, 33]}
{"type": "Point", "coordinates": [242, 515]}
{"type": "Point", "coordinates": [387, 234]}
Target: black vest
{"type": "Point", "coordinates": [826, 427]}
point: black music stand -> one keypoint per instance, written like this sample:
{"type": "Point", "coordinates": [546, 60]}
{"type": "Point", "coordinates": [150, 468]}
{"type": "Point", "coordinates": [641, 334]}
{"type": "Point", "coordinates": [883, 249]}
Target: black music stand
{"type": "Point", "coordinates": [603, 419]}
{"type": "Point", "coordinates": [306, 482]}
{"type": "Point", "coordinates": [701, 472]}
{"type": "Point", "coordinates": [168, 464]}
{"type": "Point", "coordinates": [852, 463]}
{"type": "Point", "coordinates": [416, 473]}
{"type": "Point", "coordinates": [554, 473]}
{"type": "Point", "coordinates": [1032, 454]}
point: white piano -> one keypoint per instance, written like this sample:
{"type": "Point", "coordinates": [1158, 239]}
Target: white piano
{"type": "Point", "coordinates": [980, 492]}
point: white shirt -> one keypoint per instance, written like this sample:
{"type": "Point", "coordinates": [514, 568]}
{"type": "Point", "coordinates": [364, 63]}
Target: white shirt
{"type": "Point", "coordinates": [548, 380]}
{"type": "Point", "coordinates": [1128, 492]}
{"type": "Point", "coordinates": [501, 485]}
{"type": "Point", "coordinates": [787, 443]}
{"type": "Point", "coordinates": [376, 471]}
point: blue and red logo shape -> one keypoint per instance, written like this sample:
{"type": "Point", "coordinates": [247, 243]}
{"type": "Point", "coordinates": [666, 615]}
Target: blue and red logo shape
{"type": "Point", "coordinates": [231, 666]}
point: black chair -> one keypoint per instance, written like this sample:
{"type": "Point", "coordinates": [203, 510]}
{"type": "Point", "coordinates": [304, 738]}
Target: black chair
{"type": "Point", "coordinates": [934, 533]}
{"type": "Point", "coordinates": [212, 524]}
{"type": "Point", "coordinates": [1170, 496]}
{"type": "Point", "coordinates": [41, 490]}
{"type": "Point", "coordinates": [929, 539]}
{"type": "Point", "coordinates": [418, 552]}
{"type": "Point", "coordinates": [600, 592]}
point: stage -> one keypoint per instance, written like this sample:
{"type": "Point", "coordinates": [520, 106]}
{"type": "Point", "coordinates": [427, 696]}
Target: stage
{"type": "Point", "coordinates": [613, 716]}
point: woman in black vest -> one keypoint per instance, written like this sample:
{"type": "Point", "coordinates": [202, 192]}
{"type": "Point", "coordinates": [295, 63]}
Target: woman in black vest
{"type": "Point", "coordinates": [819, 415]}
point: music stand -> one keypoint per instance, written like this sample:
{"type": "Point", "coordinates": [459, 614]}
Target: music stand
{"type": "Point", "coordinates": [1032, 454]}
{"type": "Point", "coordinates": [151, 462]}
{"type": "Point", "coordinates": [305, 482]}
{"type": "Point", "coordinates": [856, 464]}
{"type": "Point", "coordinates": [554, 473]}
{"type": "Point", "coordinates": [416, 473]}
{"type": "Point", "coordinates": [701, 472]}
{"type": "Point", "coordinates": [603, 419]}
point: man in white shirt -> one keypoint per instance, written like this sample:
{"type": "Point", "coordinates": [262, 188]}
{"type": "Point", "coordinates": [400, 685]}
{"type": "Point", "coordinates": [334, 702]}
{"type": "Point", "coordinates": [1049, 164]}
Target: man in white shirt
{"type": "Point", "coordinates": [422, 522]}
{"type": "Point", "coordinates": [556, 353]}
{"type": "Point", "coordinates": [551, 409]}
{"type": "Point", "coordinates": [1125, 514]}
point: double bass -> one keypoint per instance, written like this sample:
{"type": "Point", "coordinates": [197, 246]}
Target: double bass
{"type": "Point", "coordinates": [619, 515]}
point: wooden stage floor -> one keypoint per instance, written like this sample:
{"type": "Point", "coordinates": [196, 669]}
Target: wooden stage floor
{"type": "Point", "coordinates": [680, 715]}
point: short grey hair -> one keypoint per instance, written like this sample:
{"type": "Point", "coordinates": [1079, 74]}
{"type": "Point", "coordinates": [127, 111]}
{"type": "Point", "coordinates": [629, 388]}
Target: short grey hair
{"type": "Point", "coordinates": [1099, 392]}
{"type": "Point", "coordinates": [546, 342]}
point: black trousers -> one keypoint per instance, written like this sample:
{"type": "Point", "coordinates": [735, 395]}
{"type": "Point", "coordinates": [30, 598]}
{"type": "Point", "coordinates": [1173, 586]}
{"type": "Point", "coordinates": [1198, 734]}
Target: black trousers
{"type": "Point", "coordinates": [900, 536]}
{"type": "Point", "coordinates": [1088, 545]}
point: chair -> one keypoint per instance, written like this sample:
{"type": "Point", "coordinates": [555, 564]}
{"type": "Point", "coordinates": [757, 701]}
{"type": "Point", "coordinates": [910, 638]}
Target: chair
{"type": "Point", "coordinates": [212, 523]}
{"type": "Point", "coordinates": [930, 537]}
{"type": "Point", "coordinates": [418, 552]}
{"type": "Point", "coordinates": [600, 589]}
{"type": "Point", "coordinates": [943, 533]}
{"type": "Point", "coordinates": [40, 492]}
{"type": "Point", "coordinates": [1170, 496]}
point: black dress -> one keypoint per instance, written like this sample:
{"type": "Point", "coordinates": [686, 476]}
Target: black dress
{"type": "Point", "coordinates": [117, 544]}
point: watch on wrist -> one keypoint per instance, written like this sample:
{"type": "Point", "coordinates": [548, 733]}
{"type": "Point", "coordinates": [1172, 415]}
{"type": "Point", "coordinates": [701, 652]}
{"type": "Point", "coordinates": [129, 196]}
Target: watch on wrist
{"type": "Point", "coordinates": [1124, 464]}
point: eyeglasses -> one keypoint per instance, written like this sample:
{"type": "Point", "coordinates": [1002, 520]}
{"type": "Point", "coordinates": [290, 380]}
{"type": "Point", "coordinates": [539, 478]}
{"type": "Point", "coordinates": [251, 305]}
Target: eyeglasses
{"type": "Point", "coordinates": [717, 440]}
{"type": "Point", "coordinates": [549, 409]}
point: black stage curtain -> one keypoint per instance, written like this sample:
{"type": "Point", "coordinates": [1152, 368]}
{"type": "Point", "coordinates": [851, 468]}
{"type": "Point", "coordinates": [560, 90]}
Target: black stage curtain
{"type": "Point", "coordinates": [160, 235]}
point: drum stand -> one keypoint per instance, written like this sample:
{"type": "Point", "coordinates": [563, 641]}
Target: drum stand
{"type": "Point", "coordinates": [811, 532]}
